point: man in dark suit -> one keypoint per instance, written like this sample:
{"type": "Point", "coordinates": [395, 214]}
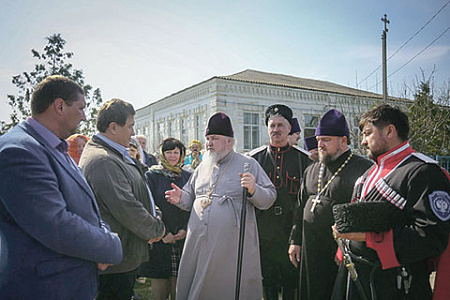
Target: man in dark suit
{"type": "Point", "coordinates": [53, 240]}
{"type": "Point", "coordinates": [147, 158]}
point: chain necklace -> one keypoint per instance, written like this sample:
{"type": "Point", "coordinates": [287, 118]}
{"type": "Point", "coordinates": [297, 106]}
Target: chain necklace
{"type": "Point", "coordinates": [319, 181]}
{"type": "Point", "coordinates": [204, 203]}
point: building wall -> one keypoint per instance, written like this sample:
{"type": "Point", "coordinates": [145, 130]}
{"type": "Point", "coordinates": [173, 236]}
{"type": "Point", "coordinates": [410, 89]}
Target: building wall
{"type": "Point", "coordinates": [184, 115]}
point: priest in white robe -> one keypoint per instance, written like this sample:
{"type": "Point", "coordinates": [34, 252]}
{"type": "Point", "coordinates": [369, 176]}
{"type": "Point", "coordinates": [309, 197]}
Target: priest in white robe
{"type": "Point", "coordinates": [214, 195]}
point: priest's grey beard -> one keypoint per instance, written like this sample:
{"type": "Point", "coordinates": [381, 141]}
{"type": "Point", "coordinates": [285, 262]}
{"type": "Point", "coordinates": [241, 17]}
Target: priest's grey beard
{"type": "Point", "coordinates": [210, 160]}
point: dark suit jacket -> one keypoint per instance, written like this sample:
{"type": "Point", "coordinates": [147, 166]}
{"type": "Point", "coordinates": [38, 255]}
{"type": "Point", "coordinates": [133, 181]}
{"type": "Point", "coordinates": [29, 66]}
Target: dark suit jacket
{"type": "Point", "coordinates": [52, 236]}
{"type": "Point", "coordinates": [149, 159]}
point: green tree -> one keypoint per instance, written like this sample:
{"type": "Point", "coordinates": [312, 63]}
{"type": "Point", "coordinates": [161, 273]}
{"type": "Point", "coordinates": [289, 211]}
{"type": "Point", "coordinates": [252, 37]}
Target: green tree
{"type": "Point", "coordinates": [429, 117]}
{"type": "Point", "coordinates": [52, 61]}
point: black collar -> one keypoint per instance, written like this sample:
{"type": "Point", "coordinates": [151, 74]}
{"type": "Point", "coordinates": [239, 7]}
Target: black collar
{"type": "Point", "coordinates": [280, 149]}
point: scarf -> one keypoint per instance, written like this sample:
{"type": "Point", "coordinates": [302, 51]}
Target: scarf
{"type": "Point", "coordinates": [166, 169]}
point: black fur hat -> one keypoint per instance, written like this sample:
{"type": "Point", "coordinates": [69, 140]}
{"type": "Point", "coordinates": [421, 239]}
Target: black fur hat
{"type": "Point", "coordinates": [376, 216]}
{"type": "Point", "coordinates": [279, 109]}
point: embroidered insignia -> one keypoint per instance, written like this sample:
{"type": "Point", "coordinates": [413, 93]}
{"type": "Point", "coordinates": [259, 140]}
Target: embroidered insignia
{"type": "Point", "coordinates": [440, 205]}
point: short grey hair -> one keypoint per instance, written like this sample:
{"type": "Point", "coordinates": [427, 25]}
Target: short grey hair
{"type": "Point", "coordinates": [141, 136]}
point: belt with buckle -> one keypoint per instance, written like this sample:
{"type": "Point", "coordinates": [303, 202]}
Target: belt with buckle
{"type": "Point", "coordinates": [277, 210]}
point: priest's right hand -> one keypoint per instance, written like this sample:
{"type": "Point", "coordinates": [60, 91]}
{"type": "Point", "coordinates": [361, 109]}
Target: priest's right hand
{"type": "Point", "coordinates": [174, 195]}
{"type": "Point", "coordinates": [294, 254]}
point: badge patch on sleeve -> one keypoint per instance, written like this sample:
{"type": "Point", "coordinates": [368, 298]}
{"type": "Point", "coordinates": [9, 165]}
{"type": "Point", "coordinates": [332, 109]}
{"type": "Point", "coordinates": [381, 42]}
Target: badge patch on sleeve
{"type": "Point", "coordinates": [440, 204]}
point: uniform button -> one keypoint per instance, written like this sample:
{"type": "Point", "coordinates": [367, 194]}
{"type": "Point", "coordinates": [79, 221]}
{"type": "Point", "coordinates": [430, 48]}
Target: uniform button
{"type": "Point", "coordinates": [278, 177]}
{"type": "Point", "coordinates": [278, 168]}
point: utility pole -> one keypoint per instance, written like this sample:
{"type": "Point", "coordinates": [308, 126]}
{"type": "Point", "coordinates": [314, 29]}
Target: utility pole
{"type": "Point", "coordinates": [384, 37]}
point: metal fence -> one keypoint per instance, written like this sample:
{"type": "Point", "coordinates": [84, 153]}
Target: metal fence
{"type": "Point", "coordinates": [444, 161]}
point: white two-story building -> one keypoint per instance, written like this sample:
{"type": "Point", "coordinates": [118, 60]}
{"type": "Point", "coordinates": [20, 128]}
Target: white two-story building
{"type": "Point", "coordinates": [244, 97]}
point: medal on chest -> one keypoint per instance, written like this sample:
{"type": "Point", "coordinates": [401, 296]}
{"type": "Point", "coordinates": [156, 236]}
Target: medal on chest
{"type": "Point", "coordinates": [205, 202]}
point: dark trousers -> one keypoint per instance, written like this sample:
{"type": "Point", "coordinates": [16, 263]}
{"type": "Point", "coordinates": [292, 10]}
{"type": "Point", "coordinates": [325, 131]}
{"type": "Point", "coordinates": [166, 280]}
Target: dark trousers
{"type": "Point", "coordinates": [116, 286]}
{"type": "Point", "coordinates": [384, 283]}
{"type": "Point", "coordinates": [277, 270]}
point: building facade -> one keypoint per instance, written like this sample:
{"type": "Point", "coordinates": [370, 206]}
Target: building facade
{"type": "Point", "coordinates": [244, 97]}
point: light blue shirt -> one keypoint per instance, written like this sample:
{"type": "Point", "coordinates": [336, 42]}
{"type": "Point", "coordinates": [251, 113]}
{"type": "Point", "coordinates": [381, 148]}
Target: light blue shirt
{"type": "Point", "coordinates": [121, 149]}
{"type": "Point", "coordinates": [54, 141]}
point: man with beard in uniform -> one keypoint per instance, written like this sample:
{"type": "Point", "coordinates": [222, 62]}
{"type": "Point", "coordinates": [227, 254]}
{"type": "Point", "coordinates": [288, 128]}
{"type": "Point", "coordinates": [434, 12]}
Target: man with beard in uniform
{"type": "Point", "coordinates": [284, 165]}
{"type": "Point", "coordinates": [325, 183]}
{"type": "Point", "coordinates": [400, 214]}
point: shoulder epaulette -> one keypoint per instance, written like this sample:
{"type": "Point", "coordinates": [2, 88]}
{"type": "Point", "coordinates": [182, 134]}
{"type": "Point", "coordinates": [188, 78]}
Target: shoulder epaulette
{"type": "Point", "coordinates": [424, 158]}
{"type": "Point", "coordinates": [301, 150]}
{"type": "Point", "coordinates": [257, 150]}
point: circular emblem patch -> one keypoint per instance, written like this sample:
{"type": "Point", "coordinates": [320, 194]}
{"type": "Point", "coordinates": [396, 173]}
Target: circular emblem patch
{"type": "Point", "coordinates": [440, 204]}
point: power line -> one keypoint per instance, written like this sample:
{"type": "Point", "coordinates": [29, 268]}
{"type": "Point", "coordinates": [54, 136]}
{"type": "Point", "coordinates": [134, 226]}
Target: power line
{"type": "Point", "coordinates": [407, 41]}
{"type": "Point", "coordinates": [369, 75]}
{"type": "Point", "coordinates": [448, 28]}
{"type": "Point", "coordinates": [419, 30]}
{"type": "Point", "coordinates": [420, 52]}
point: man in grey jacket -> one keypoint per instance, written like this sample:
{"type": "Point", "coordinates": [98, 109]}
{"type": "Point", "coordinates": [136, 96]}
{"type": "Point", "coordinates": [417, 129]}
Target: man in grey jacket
{"type": "Point", "coordinates": [122, 195]}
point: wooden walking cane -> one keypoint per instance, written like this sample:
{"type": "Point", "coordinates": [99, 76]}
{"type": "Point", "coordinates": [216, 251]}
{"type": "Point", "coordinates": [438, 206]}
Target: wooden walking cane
{"type": "Point", "coordinates": [241, 237]}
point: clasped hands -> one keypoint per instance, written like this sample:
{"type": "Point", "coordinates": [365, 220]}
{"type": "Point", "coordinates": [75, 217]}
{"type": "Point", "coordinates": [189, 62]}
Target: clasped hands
{"type": "Point", "coordinates": [172, 238]}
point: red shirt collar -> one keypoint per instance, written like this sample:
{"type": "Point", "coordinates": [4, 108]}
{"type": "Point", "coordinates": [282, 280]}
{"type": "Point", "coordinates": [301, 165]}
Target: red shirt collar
{"type": "Point", "coordinates": [395, 154]}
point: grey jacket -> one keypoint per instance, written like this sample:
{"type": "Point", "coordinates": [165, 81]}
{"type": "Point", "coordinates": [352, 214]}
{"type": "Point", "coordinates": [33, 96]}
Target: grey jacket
{"type": "Point", "coordinates": [123, 200]}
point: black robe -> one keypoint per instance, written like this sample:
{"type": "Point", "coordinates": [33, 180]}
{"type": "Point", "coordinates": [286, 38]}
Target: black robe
{"type": "Point", "coordinates": [313, 232]}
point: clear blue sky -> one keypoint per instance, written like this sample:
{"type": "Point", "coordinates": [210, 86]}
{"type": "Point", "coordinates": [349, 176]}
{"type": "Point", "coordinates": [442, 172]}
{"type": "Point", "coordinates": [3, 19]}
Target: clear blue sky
{"type": "Point", "coordinates": [144, 50]}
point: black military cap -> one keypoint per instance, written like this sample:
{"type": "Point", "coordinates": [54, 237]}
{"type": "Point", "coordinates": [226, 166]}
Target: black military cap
{"type": "Point", "coordinates": [279, 109]}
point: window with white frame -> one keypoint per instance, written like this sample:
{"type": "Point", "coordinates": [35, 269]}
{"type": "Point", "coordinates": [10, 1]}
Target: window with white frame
{"type": "Point", "coordinates": [311, 123]}
{"type": "Point", "coordinates": [251, 131]}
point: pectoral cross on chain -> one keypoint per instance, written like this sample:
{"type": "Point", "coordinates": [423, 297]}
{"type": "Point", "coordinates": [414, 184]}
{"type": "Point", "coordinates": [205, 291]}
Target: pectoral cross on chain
{"type": "Point", "coordinates": [315, 201]}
